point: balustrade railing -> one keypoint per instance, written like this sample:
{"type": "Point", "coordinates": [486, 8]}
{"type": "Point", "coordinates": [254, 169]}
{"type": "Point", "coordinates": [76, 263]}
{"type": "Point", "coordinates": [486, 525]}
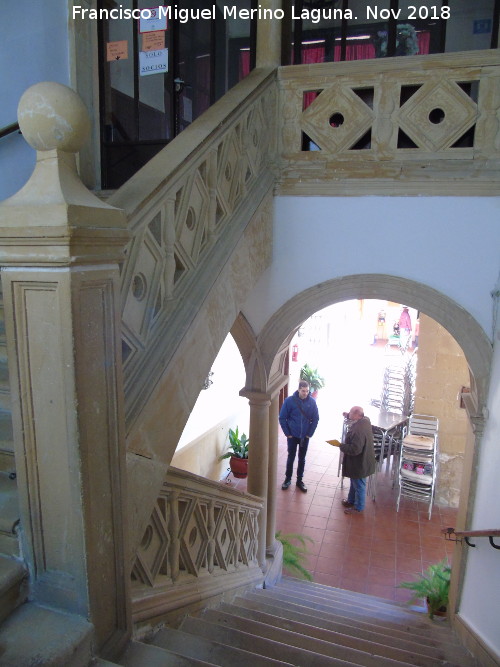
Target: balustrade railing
{"type": "Point", "coordinates": [425, 124]}
{"type": "Point", "coordinates": [201, 536]}
{"type": "Point", "coordinates": [179, 206]}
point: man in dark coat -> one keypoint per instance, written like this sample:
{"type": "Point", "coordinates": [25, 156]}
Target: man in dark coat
{"type": "Point", "coordinates": [298, 418]}
{"type": "Point", "coordinates": [359, 459]}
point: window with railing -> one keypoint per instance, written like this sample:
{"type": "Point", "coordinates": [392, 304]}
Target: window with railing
{"type": "Point", "coordinates": [343, 30]}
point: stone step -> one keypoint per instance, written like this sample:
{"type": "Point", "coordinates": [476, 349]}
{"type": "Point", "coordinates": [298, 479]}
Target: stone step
{"type": "Point", "coordinates": [36, 635]}
{"type": "Point", "coordinates": [302, 637]}
{"type": "Point", "coordinates": [139, 654]}
{"type": "Point", "coordinates": [289, 583]}
{"type": "Point", "coordinates": [192, 646]}
{"type": "Point", "coordinates": [392, 619]}
{"type": "Point", "coordinates": [260, 646]}
{"type": "Point", "coordinates": [347, 616]}
{"type": "Point", "coordinates": [415, 653]}
{"type": "Point", "coordinates": [13, 586]}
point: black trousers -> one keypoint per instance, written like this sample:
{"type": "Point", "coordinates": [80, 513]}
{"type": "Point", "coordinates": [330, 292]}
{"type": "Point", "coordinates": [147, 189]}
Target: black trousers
{"type": "Point", "coordinates": [292, 444]}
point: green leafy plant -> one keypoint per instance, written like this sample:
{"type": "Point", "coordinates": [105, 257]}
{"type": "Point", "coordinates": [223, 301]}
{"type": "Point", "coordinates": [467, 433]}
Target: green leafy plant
{"type": "Point", "coordinates": [238, 446]}
{"type": "Point", "coordinates": [295, 554]}
{"type": "Point", "coordinates": [316, 382]}
{"type": "Point", "coordinates": [433, 585]}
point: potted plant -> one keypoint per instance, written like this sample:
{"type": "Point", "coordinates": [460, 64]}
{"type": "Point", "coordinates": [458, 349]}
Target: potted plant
{"type": "Point", "coordinates": [316, 382]}
{"type": "Point", "coordinates": [434, 586]}
{"type": "Point", "coordinates": [295, 554]}
{"type": "Point", "coordinates": [237, 453]}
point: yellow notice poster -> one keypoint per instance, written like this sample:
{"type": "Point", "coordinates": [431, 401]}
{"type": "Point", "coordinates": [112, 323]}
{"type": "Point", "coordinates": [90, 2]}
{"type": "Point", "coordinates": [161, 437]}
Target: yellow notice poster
{"type": "Point", "coordinates": [117, 50]}
{"type": "Point", "coordinates": [153, 41]}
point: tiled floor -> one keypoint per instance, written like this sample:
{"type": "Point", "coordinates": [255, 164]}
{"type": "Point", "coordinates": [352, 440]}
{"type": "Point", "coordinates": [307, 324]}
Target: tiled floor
{"type": "Point", "coordinates": [370, 553]}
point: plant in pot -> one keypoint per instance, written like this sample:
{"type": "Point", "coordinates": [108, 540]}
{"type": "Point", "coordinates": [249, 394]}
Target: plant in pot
{"type": "Point", "coordinates": [295, 554]}
{"type": "Point", "coordinates": [433, 586]}
{"type": "Point", "coordinates": [237, 453]}
{"type": "Point", "coordinates": [316, 382]}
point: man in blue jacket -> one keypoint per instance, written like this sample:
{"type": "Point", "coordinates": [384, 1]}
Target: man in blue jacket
{"type": "Point", "coordinates": [298, 418]}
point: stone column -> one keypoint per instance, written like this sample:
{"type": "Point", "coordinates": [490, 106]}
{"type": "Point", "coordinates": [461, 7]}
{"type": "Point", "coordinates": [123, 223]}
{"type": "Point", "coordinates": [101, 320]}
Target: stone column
{"type": "Point", "coordinates": [272, 475]}
{"type": "Point", "coordinates": [59, 250]}
{"type": "Point", "coordinates": [258, 461]}
{"type": "Point", "coordinates": [269, 35]}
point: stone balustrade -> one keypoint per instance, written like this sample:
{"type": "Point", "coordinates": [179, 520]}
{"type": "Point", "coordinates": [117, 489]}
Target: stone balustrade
{"type": "Point", "coordinates": [200, 541]}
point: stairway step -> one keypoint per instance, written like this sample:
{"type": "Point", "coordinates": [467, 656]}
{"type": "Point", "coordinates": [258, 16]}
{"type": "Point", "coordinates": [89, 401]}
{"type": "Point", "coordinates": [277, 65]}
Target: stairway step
{"type": "Point", "coordinates": [261, 646]}
{"type": "Point", "coordinates": [415, 653]}
{"type": "Point", "coordinates": [289, 583]}
{"type": "Point", "coordinates": [302, 637]}
{"type": "Point", "coordinates": [35, 635]}
{"type": "Point", "coordinates": [336, 623]}
{"type": "Point", "coordinates": [139, 654]}
{"type": "Point", "coordinates": [417, 624]}
{"type": "Point", "coordinates": [13, 577]}
{"type": "Point", "coordinates": [192, 646]}
{"type": "Point", "coordinates": [347, 615]}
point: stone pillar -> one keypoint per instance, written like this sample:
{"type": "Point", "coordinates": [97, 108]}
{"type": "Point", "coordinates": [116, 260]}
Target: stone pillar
{"type": "Point", "coordinates": [269, 35]}
{"type": "Point", "coordinates": [272, 475]}
{"type": "Point", "coordinates": [258, 462]}
{"type": "Point", "coordinates": [59, 250]}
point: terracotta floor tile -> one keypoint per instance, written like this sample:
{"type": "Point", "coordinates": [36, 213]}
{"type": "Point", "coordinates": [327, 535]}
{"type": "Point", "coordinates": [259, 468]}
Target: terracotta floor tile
{"type": "Point", "coordinates": [318, 510]}
{"type": "Point", "coordinates": [327, 579]}
{"type": "Point", "coordinates": [381, 546]}
{"type": "Point", "coordinates": [329, 565]}
{"type": "Point", "coordinates": [386, 561]}
{"type": "Point", "coordinates": [408, 565]}
{"type": "Point", "coordinates": [334, 537]}
{"type": "Point", "coordinates": [360, 541]}
{"type": "Point", "coordinates": [335, 551]}
{"type": "Point", "coordinates": [315, 521]}
{"type": "Point", "coordinates": [358, 584]}
{"type": "Point", "coordinates": [357, 556]}
{"type": "Point", "coordinates": [381, 576]}
{"type": "Point", "coordinates": [323, 501]}
{"type": "Point", "coordinates": [381, 591]}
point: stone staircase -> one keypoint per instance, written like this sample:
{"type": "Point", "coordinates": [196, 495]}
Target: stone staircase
{"type": "Point", "coordinates": [301, 623]}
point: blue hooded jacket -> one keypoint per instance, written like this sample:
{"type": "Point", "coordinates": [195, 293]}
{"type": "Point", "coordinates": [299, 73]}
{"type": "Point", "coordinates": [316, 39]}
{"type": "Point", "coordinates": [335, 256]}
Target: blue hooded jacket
{"type": "Point", "coordinates": [299, 417]}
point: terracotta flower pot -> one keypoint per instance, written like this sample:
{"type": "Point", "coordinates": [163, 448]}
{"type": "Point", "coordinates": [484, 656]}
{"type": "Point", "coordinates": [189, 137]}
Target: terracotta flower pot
{"type": "Point", "coordinates": [239, 467]}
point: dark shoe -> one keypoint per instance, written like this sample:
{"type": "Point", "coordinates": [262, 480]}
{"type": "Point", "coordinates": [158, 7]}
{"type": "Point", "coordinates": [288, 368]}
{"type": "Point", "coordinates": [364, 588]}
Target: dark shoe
{"type": "Point", "coordinates": [301, 486]}
{"type": "Point", "coordinates": [346, 503]}
{"type": "Point", "coordinates": [286, 484]}
{"type": "Point", "coordinates": [352, 510]}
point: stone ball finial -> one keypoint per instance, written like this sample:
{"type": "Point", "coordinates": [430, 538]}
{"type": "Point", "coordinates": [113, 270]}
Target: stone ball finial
{"type": "Point", "coordinates": [51, 115]}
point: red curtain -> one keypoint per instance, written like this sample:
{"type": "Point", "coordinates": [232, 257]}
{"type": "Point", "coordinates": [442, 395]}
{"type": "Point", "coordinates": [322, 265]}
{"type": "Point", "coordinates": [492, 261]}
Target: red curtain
{"type": "Point", "coordinates": [356, 52]}
{"type": "Point", "coordinates": [424, 39]}
{"type": "Point", "coordinates": [244, 64]}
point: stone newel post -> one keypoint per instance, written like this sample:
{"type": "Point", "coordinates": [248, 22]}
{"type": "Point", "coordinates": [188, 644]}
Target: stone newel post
{"type": "Point", "coordinates": [59, 250]}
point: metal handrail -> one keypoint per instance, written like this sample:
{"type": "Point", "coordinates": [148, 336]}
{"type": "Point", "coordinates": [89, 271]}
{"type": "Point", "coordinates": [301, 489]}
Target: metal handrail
{"type": "Point", "coordinates": [490, 533]}
{"type": "Point", "coordinates": [9, 129]}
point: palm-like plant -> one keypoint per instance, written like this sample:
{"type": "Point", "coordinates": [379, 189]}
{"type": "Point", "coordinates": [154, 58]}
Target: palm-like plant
{"type": "Point", "coordinates": [316, 382]}
{"type": "Point", "coordinates": [238, 446]}
{"type": "Point", "coordinates": [434, 586]}
{"type": "Point", "coordinates": [295, 554]}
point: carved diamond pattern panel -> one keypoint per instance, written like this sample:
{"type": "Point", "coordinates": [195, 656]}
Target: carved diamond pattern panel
{"type": "Point", "coordinates": [151, 555]}
{"type": "Point", "coordinates": [248, 537]}
{"type": "Point", "coordinates": [144, 287]}
{"type": "Point", "coordinates": [337, 101]}
{"type": "Point", "coordinates": [194, 539]}
{"type": "Point", "coordinates": [225, 543]}
{"type": "Point", "coordinates": [228, 173]}
{"type": "Point", "coordinates": [437, 115]}
{"type": "Point", "coordinates": [192, 216]}
{"type": "Point", "coordinates": [255, 141]}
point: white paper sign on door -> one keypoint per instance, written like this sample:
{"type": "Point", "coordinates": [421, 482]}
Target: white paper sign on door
{"type": "Point", "coordinates": [153, 62]}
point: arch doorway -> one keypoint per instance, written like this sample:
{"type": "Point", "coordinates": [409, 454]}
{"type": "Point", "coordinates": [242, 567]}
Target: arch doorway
{"type": "Point", "coordinates": [266, 361]}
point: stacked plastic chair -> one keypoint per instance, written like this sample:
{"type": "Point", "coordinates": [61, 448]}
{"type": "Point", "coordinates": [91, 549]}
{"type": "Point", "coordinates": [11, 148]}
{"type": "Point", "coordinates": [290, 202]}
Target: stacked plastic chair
{"type": "Point", "coordinates": [418, 460]}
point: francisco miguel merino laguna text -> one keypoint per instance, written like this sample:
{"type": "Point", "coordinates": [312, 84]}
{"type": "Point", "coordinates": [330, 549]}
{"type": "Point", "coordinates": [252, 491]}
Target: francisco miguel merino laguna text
{"type": "Point", "coordinates": [183, 15]}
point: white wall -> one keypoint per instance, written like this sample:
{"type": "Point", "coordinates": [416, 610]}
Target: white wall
{"type": "Point", "coordinates": [34, 47]}
{"type": "Point", "coordinates": [480, 604]}
{"type": "Point", "coordinates": [221, 400]}
{"type": "Point", "coordinates": [448, 243]}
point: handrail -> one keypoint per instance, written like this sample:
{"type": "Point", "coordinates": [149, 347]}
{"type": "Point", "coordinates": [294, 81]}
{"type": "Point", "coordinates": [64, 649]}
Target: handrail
{"type": "Point", "coordinates": [490, 533]}
{"type": "Point", "coordinates": [9, 129]}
